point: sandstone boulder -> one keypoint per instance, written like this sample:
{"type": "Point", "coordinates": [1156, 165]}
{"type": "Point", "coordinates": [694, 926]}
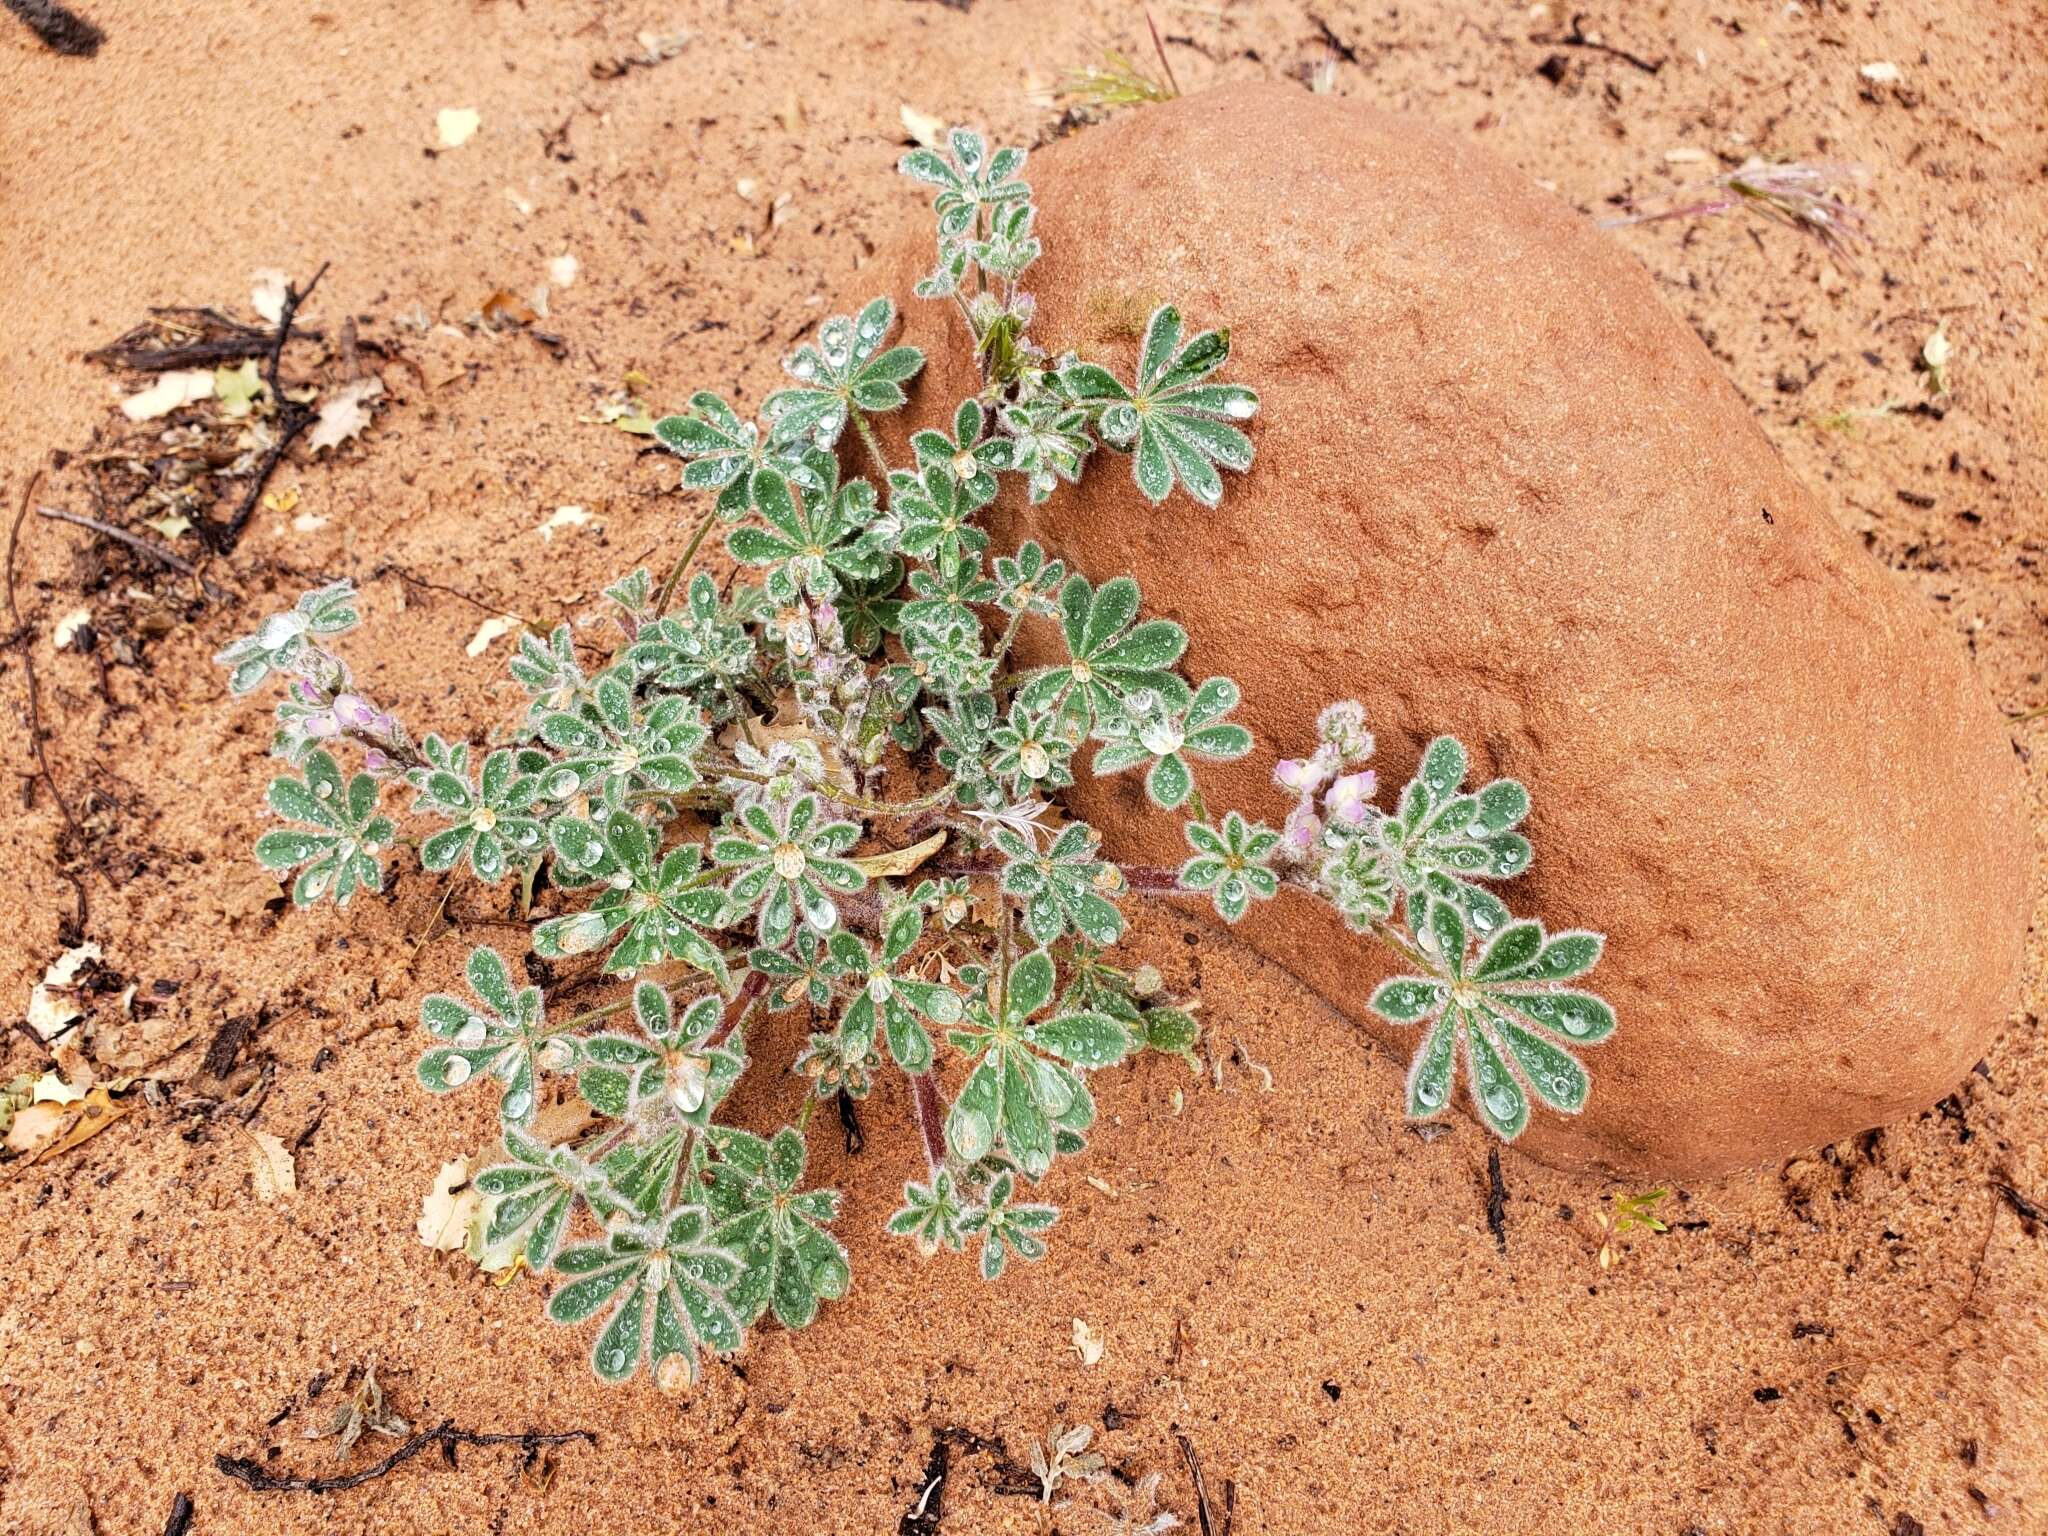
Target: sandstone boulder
{"type": "Point", "coordinates": [1501, 492]}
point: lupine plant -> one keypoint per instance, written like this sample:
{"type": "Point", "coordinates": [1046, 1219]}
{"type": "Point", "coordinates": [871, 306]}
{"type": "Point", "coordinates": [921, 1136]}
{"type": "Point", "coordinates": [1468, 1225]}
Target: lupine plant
{"type": "Point", "coordinates": [886, 855]}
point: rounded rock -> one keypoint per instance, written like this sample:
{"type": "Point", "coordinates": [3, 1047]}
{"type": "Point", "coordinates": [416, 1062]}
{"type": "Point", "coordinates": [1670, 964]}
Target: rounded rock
{"type": "Point", "coordinates": [1502, 493]}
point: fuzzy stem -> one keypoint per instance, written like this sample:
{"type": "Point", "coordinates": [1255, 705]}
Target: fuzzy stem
{"type": "Point", "coordinates": [675, 572]}
{"type": "Point", "coordinates": [873, 445]}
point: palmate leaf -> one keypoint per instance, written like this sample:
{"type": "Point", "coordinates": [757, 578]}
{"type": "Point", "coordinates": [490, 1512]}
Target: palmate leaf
{"type": "Point", "coordinates": [725, 453]}
{"type": "Point", "coordinates": [1439, 841]}
{"type": "Point", "coordinates": [1231, 863]}
{"type": "Point", "coordinates": [667, 1286]}
{"type": "Point", "coordinates": [1007, 1226]}
{"type": "Point", "coordinates": [1506, 1008]}
{"type": "Point", "coordinates": [1150, 733]}
{"type": "Point", "coordinates": [531, 1198]}
{"type": "Point", "coordinates": [656, 912]}
{"type": "Point", "coordinates": [286, 640]}
{"type": "Point", "coordinates": [1175, 423]}
{"type": "Point", "coordinates": [1025, 1090]}
{"type": "Point", "coordinates": [788, 1261]}
{"type": "Point", "coordinates": [844, 370]}
{"type": "Point", "coordinates": [1110, 655]}
{"type": "Point", "coordinates": [499, 1034]}
{"type": "Point", "coordinates": [338, 843]}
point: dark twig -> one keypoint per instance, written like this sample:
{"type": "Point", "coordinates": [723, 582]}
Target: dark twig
{"type": "Point", "coordinates": [293, 418]}
{"type": "Point", "coordinates": [215, 338]}
{"type": "Point", "coordinates": [446, 1435]}
{"type": "Point", "coordinates": [1577, 38]}
{"type": "Point", "coordinates": [35, 709]}
{"type": "Point", "coordinates": [2026, 1209]}
{"type": "Point", "coordinates": [136, 542]}
{"type": "Point", "coordinates": [1159, 48]}
{"type": "Point", "coordinates": [62, 31]}
{"type": "Point", "coordinates": [181, 1516]}
{"type": "Point", "coordinates": [1337, 45]}
{"type": "Point", "coordinates": [1187, 1452]}
{"type": "Point", "coordinates": [849, 1122]}
{"type": "Point", "coordinates": [1496, 1199]}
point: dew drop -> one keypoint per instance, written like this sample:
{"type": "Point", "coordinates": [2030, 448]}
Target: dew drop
{"type": "Point", "coordinates": [472, 1033]}
{"type": "Point", "coordinates": [456, 1072]}
{"type": "Point", "coordinates": [1501, 1105]}
{"type": "Point", "coordinates": [324, 790]}
{"type": "Point", "coordinates": [1240, 409]}
{"type": "Point", "coordinates": [516, 1104]}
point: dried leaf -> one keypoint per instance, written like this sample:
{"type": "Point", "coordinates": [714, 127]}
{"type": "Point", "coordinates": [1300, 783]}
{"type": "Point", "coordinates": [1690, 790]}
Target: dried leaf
{"type": "Point", "coordinates": [563, 517]}
{"type": "Point", "coordinates": [344, 414]}
{"type": "Point", "coordinates": [449, 1208]}
{"type": "Point", "coordinates": [51, 1088]}
{"type": "Point", "coordinates": [34, 1125]}
{"type": "Point", "coordinates": [50, 1004]}
{"type": "Point", "coordinates": [489, 630]}
{"type": "Point", "coordinates": [80, 1122]}
{"type": "Point", "coordinates": [923, 127]}
{"type": "Point", "coordinates": [272, 1170]}
{"type": "Point", "coordinates": [1088, 1342]}
{"type": "Point", "coordinates": [170, 525]}
{"type": "Point", "coordinates": [504, 307]}
{"type": "Point", "coordinates": [176, 388]}
{"type": "Point", "coordinates": [364, 1410]}
{"type": "Point", "coordinates": [456, 126]}
{"type": "Point", "coordinates": [68, 626]}
{"type": "Point", "coordinates": [900, 861]}
{"type": "Point", "coordinates": [266, 295]}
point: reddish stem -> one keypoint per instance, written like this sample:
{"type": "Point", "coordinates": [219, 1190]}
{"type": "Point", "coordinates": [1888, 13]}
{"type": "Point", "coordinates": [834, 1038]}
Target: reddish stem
{"type": "Point", "coordinates": [755, 984]}
{"type": "Point", "coordinates": [924, 1102]}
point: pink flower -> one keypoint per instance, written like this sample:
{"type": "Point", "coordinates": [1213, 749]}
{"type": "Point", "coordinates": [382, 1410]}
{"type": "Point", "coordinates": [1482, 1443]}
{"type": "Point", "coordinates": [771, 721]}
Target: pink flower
{"type": "Point", "coordinates": [1303, 827]}
{"type": "Point", "coordinates": [1350, 798]}
{"type": "Point", "coordinates": [1305, 775]}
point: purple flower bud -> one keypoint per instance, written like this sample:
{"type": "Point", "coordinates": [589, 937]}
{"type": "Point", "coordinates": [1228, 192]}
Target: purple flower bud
{"type": "Point", "coordinates": [376, 761]}
{"type": "Point", "coordinates": [1299, 773]}
{"type": "Point", "coordinates": [303, 686]}
{"type": "Point", "coordinates": [355, 713]}
{"type": "Point", "coordinates": [321, 726]}
{"type": "Point", "coordinates": [1302, 829]}
{"type": "Point", "coordinates": [1350, 798]}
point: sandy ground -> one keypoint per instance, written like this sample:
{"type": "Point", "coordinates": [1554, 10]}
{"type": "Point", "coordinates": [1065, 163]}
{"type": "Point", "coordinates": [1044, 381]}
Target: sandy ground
{"type": "Point", "coordinates": [1303, 1289]}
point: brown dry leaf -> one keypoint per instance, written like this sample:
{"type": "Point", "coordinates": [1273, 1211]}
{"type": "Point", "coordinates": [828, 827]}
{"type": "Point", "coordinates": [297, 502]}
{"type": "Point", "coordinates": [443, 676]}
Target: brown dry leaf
{"type": "Point", "coordinates": [505, 307]}
{"type": "Point", "coordinates": [85, 1120]}
{"type": "Point", "coordinates": [272, 1171]}
{"type": "Point", "coordinates": [133, 1044]}
{"type": "Point", "coordinates": [1088, 1342]}
{"type": "Point", "coordinates": [900, 861]}
{"type": "Point", "coordinates": [35, 1125]}
{"type": "Point", "coordinates": [343, 415]}
{"type": "Point", "coordinates": [364, 1410]}
{"type": "Point", "coordinates": [489, 630]}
